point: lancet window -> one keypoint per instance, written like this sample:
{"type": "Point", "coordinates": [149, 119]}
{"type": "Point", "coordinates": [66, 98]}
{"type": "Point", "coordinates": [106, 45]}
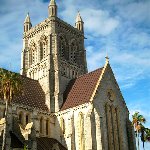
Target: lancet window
{"type": "Point", "coordinates": [21, 117]}
{"type": "Point", "coordinates": [27, 118]}
{"type": "Point", "coordinates": [43, 47]}
{"type": "Point", "coordinates": [73, 52]}
{"type": "Point", "coordinates": [32, 54]}
{"type": "Point", "coordinates": [63, 48]}
{"type": "Point", "coordinates": [112, 122]}
{"type": "Point", "coordinates": [41, 125]}
{"type": "Point", "coordinates": [47, 127]}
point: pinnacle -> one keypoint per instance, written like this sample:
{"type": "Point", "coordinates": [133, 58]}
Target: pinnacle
{"type": "Point", "coordinates": [78, 18]}
{"type": "Point", "coordinates": [52, 2]}
{"type": "Point", "coordinates": [27, 19]}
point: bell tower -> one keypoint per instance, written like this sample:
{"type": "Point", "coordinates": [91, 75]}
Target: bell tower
{"type": "Point", "coordinates": [53, 53]}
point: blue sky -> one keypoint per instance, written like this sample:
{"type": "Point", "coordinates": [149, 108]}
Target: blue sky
{"type": "Point", "coordinates": [120, 28]}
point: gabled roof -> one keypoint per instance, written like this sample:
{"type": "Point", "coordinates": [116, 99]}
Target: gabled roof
{"type": "Point", "coordinates": [44, 143]}
{"type": "Point", "coordinates": [82, 89]}
{"type": "Point", "coordinates": [33, 94]}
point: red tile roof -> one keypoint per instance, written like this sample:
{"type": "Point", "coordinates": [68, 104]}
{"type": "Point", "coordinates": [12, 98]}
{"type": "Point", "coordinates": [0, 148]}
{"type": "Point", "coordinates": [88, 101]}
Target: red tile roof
{"type": "Point", "coordinates": [82, 89]}
{"type": "Point", "coordinates": [32, 94]}
{"type": "Point", "coordinates": [79, 91]}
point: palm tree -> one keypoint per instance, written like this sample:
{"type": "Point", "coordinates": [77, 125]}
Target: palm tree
{"type": "Point", "coordinates": [138, 121]}
{"type": "Point", "coordinates": [143, 133]}
{"type": "Point", "coordinates": [147, 136]}
{"type": "Point", "coordinates": [10, 86]}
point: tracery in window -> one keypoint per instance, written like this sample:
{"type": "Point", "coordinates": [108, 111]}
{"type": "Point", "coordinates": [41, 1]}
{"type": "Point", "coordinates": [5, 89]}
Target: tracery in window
{"type": "Point", "coordinates": [63, 48]}
{"type": "Point", "coordinates": [32, 53]}
{"type": "Point", "coordinates": [112, 127]}
{"type": "Point", "coordinates": [73, 52]}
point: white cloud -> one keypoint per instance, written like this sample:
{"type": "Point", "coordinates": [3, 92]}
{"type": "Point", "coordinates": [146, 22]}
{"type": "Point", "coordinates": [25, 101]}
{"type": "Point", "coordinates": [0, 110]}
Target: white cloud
{"type": "Point", "coordinates": [129, 66]}
{"type": "Point", "coordinates": [140, 107]}
{"type": "Point", "coordinates": [99, 22]}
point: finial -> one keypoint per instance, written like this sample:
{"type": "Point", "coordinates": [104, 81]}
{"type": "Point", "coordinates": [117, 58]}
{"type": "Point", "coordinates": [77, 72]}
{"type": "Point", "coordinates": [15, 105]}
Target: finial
{"type": "Point", "coordinates": [27, 19]}
{"type": "Point", "coordinates": [52, 2]}
{"type": "Point", "coordinates": [79, 19]}
{"type": "Point", "coordinates": [107, 58]}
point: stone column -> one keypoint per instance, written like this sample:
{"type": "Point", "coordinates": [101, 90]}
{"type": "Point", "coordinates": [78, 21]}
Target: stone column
{"type": "Point", "coordinates": [44, 126]}
{"type": "Point", "coordinates": [88, 131]}
{"type": "Point", "coordinates": [73, 147]}
{"type": "Point", "coordinates": [9, 126]}
{"type": "Point", "coordinates": [35, 129]}
{"type": "Point", "coordinates": [56, 68]}
{"type": "Point", "coordinates": [98, 131]}
{"type": "Point", "coordinates": [93, 127]}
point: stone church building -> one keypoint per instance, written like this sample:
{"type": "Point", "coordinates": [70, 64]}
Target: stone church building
{"type": "Point", "coordinates": [69, 107]}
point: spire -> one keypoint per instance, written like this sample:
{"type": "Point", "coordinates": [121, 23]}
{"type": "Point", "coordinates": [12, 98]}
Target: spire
{"type": "Point", "coordinates": [27, 19]}
{"type": "Point", "coordinates": [52, 3]}
{"type": "Point", "coordinates": [78, 18]}
{"type": "Point", "coordinates": [27, 23]}
{"type": "Point", "coordinates": [79, 23]}
{"type": "Point", "coordinates": [52, 9]}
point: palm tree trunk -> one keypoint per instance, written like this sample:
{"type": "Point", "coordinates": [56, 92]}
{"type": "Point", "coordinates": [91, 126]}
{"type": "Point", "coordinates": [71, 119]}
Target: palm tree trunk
{"type": "Point", "coordinates": [138, 140]}
{"type": "Point", "coordinates": [5, 127]}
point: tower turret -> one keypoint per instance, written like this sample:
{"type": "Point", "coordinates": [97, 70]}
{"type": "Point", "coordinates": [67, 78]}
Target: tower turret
{"type": "Point", "coordinates": [52, 9]}
{"type": "Point", "coordinates": [27, 23]}
{"type": "Point", "coordinates": [79, 23]}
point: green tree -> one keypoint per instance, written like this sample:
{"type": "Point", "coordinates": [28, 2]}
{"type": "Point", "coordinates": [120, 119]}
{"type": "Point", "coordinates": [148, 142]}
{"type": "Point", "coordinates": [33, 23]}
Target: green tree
{"type": "Point", "coordinates": [10, 86]}
{"type": "Point", "coordinates": [137, 121]}
{"type": "Point", "coordinates": [147, 134]}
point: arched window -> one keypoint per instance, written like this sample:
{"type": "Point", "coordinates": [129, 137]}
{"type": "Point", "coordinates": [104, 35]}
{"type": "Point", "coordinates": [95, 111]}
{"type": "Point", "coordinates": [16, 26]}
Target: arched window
{"type": "Point", "coordinates": [63, 48]}
{"type": "Point", "coordinates": [43, 47]}
{"type": "Point", "coordinates": [112, 126]}
{"type": "Point", "coordinates": [32, 54]}
{"type": "Point", "coordinates": [41, 125]}
{"type": "Point", "coordinates": [27, 118]}
{"type": "Point", "coordinates": [79, 27]}
{"type": "Point", "coordinates": [4, 112]}
{"type": "Point", "coordinates": [52, 11]}
{"type": "Point", "coordinates": [47, 127]}
{"type": "Point", "coordinates": [73, 52]}
{"type": "Point", "coordinates": [21, 117]}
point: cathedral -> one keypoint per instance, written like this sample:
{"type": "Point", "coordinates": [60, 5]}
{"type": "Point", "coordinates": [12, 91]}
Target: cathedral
{"type": "Point", "coordinates": [70, 108]}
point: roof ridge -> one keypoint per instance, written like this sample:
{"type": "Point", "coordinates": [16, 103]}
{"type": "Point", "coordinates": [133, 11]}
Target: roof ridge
{"type": "Point", "coordinates": [89, 72]}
